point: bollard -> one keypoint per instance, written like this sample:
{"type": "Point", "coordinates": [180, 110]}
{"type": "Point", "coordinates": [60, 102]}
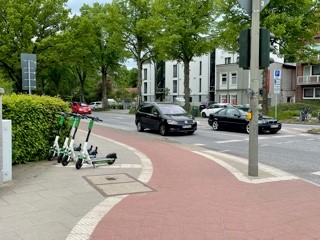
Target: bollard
{"type": "Point", "coordinates": [1, 150]}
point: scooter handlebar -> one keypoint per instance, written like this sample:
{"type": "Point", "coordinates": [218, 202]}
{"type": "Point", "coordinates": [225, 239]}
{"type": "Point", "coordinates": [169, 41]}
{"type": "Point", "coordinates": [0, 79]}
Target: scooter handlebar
{"type": "Point", "coordinates": [94, 118]}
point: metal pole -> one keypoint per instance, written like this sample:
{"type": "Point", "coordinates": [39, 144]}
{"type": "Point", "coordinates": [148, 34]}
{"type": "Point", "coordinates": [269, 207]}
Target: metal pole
{"type": "Point", "coordinates": [29, 77]}
{"type": "Point", "coordinates": [254, 74]}
{"type": "Point", "coordinates": [276, 110]}
{"type": "Point", "coordinates": [1, 149]}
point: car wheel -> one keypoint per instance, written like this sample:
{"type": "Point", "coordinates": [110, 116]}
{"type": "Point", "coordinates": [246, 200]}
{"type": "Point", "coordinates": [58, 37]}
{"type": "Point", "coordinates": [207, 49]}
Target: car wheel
{"type": "Point", "coordinates": [247, 128]}
{"type": "Point", "coordinates": [163, 130]}
{"type": "Point", "coordinates": [139, 127]}
{"type": "Point", "coordinates": [203, 115]}
{"type": "Point", "coordinates": [215, 125]}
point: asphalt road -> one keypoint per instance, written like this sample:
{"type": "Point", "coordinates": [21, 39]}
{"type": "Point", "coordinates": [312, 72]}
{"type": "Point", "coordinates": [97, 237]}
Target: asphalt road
{"type": "Point", "coordinates": [292, 149]}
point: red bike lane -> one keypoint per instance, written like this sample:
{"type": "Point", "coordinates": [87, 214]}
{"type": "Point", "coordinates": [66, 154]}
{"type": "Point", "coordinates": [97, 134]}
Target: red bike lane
{"type": "Point", "coordinates": [196, 198]}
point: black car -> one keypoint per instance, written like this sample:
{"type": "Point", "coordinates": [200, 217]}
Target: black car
{"type": "Point", "coordinates": [231, 118]}
{"type": "Point", "coordinates": [165, 118]}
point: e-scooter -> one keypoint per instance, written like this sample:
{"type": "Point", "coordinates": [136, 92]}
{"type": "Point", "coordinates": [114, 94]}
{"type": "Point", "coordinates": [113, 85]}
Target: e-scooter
{"type": "Point", "coordinates": [55, 149]}
{"type": "Point", "coordinates": [84, 155]}
{"type": "Point", "coordinates": [70, 152]}
{"type": "Point", "coordinates": [65, 146]}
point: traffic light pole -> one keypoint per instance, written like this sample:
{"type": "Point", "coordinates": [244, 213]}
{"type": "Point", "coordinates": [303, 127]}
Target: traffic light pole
{"type": "Point", "coordinates": [254, 83]}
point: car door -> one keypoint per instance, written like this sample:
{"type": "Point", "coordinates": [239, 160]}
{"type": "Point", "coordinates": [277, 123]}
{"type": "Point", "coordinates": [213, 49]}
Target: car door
{"type": "Point", "coordinates": [235, 121]}
{"type": "Point", "coordinates": [154, 118]}
{"type": "Point", "coordinates": [144, 116]}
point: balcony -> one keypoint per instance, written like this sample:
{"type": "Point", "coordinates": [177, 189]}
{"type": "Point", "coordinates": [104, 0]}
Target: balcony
{"type": "Point", "coordinates": [308, 80]}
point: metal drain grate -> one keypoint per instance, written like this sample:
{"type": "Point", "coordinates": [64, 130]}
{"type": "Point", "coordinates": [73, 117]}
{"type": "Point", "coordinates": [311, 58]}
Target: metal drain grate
{"type": "Point", "coordinates": [117, 184]}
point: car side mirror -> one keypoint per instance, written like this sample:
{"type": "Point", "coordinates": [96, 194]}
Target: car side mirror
{"type": "Point", "coordinates": [156, 113]}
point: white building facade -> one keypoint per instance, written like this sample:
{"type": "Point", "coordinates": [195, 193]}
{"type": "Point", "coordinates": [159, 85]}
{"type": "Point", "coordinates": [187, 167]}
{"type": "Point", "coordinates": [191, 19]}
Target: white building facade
{"type": "Point", "coordinates": [214, 76]}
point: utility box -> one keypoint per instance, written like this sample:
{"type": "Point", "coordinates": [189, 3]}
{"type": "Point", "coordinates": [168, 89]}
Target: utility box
{"type": "Point", "coordinates": [7, 150]}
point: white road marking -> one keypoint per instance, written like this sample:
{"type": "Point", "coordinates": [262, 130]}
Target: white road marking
{"type": "Point", "coordinates": [85, 227]}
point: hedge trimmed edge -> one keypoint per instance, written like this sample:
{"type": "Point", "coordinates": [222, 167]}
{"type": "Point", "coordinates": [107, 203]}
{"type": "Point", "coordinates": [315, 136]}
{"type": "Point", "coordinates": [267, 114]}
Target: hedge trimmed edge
{"type": "Point", "coordinates": [34, 124]}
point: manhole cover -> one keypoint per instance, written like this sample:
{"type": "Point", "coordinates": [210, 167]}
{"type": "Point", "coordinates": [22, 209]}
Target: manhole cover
{"type": "Point", "coordinates": [117, 184]}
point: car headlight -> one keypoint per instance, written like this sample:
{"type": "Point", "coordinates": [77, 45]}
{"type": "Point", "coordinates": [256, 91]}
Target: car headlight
{"type": "Point", "coordinates": [172, 122]}
{"type": "Point", "coordinates": [262, 121]}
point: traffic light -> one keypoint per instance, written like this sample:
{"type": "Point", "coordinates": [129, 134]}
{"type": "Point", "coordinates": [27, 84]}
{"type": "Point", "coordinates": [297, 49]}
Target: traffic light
{"type": "Point", "coordinates": [244, 49]}
{"type": "Point", "coordinates": [265, 48]}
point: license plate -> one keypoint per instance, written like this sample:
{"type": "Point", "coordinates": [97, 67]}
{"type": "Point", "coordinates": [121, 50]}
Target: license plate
{"type": "Point", "coordinates": [186, 126]}
{"type": "Point", "coordinates": [274, 126]}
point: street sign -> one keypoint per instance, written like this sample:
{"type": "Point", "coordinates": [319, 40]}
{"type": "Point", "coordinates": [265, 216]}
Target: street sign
{"type": "Point", "coordinates": [247, 5]}
{"type": "Point", "coordinates": [277, 81]}
{"type": "Point", "coordinates": [277, 74]}
{"type": "Point", "coordinates": [28, 68]}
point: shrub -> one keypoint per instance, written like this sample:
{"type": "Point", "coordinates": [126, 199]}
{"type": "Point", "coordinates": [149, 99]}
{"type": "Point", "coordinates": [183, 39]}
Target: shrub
{"type": "Point", "coordinates": [34, 124]}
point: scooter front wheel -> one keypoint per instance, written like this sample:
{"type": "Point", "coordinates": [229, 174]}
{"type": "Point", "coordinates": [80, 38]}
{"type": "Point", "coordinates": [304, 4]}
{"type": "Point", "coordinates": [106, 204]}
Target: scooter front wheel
{"type": "Point", "coordinates": [78, 163]}
{"type": "Point", "coordinates": [65, 160]}
{"type": "Point", "coordinates": [50, 155]}
{"type": "Point", "coordinates": [59, 159]}
{"type": "Point", "coordinates": [110, 162]}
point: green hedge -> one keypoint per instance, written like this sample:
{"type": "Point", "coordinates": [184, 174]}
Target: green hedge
{"type": "Point", "coordinates": [34, 124]}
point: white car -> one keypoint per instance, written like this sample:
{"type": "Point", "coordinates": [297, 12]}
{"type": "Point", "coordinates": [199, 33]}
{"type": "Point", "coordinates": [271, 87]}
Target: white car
{"type": "Point", "coordinates": [214, 108]}
{"type": "Point", "coordinates": [96, 105]}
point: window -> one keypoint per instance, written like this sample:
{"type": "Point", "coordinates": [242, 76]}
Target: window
{"type": "Point", "coordinates": [223, 79]}
{"type": "Point", "coordinates": [316, 69]}
{"type": "Point", "coordinates": [233, 99]}
{"type": "Point", "coordinates": [199, 84]}
{"type": "Point", "coordinates": [145, 85]}
{"type": "Point", "coordinates": [175, 86]}
{"type": "Point", "coordinates": [175, 72]}
{"type": "Point", "coordinates": [145, 76]}
{"type": "Point", "coordinates": [233, 78]}
{"type": "Point", "coordinates": [200, 68]}
{"type": "Point", "coordinates": [227, 60]}
{"type": "Point", "coordinates": [223, 98]}
{"type": "Point", "coordinates": [232, 112]}
{"type": "Point", "coordinates": [311, 93]}
{"type": "Point", "coordinates": [308, 93]}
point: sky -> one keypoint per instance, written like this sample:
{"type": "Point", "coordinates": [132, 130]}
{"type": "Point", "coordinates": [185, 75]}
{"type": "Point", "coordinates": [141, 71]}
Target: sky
{"type": "Point", "coordinates": [75, 6]}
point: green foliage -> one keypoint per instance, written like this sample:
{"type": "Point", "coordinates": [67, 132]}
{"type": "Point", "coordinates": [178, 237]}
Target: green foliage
{"type": "Point", "coordinates": [28, 27]}
{"type": "Point", "coordinates": [293, 22]}
{"type": "Point", "coordinates": [291, 111]}
{"type": "Point", "coordinates": [34, 124]}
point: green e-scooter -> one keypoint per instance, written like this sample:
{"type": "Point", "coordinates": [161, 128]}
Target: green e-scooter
{"type": "Point", "coordinates": [55, 149]}
{"type": "Point", "coordinates": [84, 155]}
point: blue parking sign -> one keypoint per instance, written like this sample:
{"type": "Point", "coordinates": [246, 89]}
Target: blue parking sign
{"type": "Point", "coordinates": [277, 74]}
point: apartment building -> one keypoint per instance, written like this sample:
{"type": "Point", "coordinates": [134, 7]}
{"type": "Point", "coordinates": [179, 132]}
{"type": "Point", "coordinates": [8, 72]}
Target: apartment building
{"type": "Point", "coordinates": [215, 76]}
{"type": "Point", "coordinates": [308, 78]}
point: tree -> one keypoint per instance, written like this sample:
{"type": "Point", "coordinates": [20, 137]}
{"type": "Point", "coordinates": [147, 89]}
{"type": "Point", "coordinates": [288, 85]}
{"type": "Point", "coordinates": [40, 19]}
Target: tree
{"type": "Point", "coordinates": [186, 30]}
{"type": "Point", "coordinates": [103, 41]}
{"type": "Point", "coordinates": [293, 22]}
{"type": "Point", "coordinates": [134, 16]}
{"type": "Point", "coordinates": [28, 27]}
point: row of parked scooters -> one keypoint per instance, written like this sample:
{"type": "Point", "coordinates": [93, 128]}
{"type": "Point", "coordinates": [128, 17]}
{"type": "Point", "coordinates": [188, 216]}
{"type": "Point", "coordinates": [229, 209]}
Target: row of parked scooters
{"type": "Point", "coordinates": [78, 154]}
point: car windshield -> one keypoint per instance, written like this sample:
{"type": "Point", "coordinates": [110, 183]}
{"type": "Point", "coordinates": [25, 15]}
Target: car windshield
{"type": "Point", "coordinates": [83, 104]}
{"type": "Point", "coordinates": [171, 109]}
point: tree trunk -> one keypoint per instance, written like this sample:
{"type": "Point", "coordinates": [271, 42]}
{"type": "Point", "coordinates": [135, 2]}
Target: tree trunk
{"type": "Point", "coordinates": [104, 79]}
{"type": "Point", "coordinates": [186, 84]}
{"type": "Point", "coordinates": [139, 84]}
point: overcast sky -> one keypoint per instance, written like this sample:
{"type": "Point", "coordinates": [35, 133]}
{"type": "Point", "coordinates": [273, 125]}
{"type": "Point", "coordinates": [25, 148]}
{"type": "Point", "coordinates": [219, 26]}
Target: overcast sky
{"type": "Point", "coordinates": [75, 5]}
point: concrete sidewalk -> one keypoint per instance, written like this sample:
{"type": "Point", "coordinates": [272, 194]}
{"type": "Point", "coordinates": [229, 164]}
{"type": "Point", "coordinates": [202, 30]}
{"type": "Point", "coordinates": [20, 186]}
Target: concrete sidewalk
{"type": "Point", "coordinates": [156, 190]}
